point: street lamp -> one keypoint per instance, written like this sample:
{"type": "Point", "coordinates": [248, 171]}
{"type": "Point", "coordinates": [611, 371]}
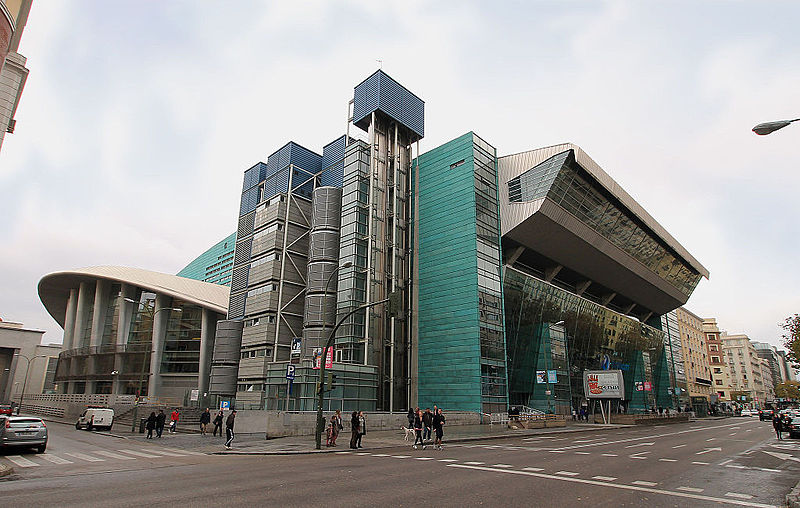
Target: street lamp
{"type": "Point", "coordinates": [25, 381]}
{"type": "Point", "coordinates": [141, 374]}
{"type": "Point", "coordinates": [765, 128]}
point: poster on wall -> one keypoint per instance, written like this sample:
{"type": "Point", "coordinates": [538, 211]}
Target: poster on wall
{"type": "Point", "coordinates": [541, 376]}
{"type": "Point", "coordinates": [318, 357]}
{"type": "Point", "coordinates": [603, 384]}
{"type": "Point", "coordinates": [552, 377]}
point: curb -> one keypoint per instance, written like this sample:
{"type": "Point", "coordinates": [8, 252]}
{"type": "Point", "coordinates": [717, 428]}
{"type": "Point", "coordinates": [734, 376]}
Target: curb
{"type": "Point", "coordinates": [395, 445]}
{"type": "Point", "coordinates": [793, 497]}
{"type": "Point", "coordinates": [5, 470]}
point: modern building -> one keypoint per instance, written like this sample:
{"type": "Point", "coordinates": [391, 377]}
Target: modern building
{"type": "Point", "coordinates": [132, 331]}
{"type": "Point", "coordinates": [747, 385]}
{"type": "Point", "coordinates": [13, 73]}
{"type": "Point", "coordinates": [769, 382]}
{"type": "Point", "coordinates": [214, 265]}
{"type": "Point", "coordinates": [25, 363]}
{"type": "Point", "coordinates": [695, 354]}
{"type": "Point", "coordinates": [674, 348]}
{"type": "Point", "coordinates": [720, 372]}
{"type": "Point", "coordinates": [788, 373]}
{"type": "Point", "coordinates": [769, 354]}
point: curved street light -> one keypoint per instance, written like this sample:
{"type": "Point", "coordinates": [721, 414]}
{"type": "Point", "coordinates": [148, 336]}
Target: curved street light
{"type": "Point", "coordinates": [765, 128]}
{"type": "Point", "coordinates": [25, 380]}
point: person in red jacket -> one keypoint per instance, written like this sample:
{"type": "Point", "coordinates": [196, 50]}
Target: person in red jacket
{"type": "Point", "coordinates": [173, 421]}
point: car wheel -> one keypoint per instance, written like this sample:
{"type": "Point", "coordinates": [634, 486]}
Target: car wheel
{"type": "Point", "coordinates": [41, 449]}
{"type": "Point", "coordinates": [77, 426]}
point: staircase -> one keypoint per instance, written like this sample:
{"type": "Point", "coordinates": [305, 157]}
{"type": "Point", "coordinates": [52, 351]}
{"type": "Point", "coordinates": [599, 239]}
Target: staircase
{"type": "Point", "coordinates": [189, 421]}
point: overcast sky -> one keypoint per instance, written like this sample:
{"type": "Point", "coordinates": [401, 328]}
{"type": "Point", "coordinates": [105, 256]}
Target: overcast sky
{"type": "Point", "coordinates": [139, 118]}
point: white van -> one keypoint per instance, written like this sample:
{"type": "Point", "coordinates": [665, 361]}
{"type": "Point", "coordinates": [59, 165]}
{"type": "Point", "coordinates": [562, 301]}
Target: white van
{"type": "Point", "coordinates": [95, 418]}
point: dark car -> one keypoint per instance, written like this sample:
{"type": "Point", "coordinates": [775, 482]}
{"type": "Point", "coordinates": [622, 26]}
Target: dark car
{"type": "Point", "coordinates": [765, 414]}
{"type": "Point", "coordinates": [23, 432]}
{"type": "Point", "coordinates": [6, 409]}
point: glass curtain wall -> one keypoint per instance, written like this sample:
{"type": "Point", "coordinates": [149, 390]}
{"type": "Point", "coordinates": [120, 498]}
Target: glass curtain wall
{"type": "Point", "coordinates": [182, 343]}
{"type": "Point", "coordinates": [549, 329]}
{"type": "Point", "coordinates": [136, 367]}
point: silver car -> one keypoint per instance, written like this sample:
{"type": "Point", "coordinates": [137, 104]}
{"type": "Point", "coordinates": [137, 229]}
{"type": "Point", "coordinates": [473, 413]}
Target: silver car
{"type": "Point", "coordinates": [23, 431]}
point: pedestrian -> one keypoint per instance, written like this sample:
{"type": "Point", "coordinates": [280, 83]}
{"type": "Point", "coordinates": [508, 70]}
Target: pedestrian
{"type": "Point", "coordinates": [410, 418]}
{"type": "Point", "coordinates": [418, 430]}
{"type": "Point", "coordinates": [354, 429]}
{"type": "Point", "coordinates": [205, 419]}
{"type": "Point", "coordinates": [362, 428]}
{"type": "Point", "coordinates": [339, 422]}
{"type": "Point", "coordinates": [229, 429]}
{"type": "Point", "coordinates": [583, 414]}
{"type": "Point", "coordinates": [777, 424]}
{"type": "Point", "coordinates": [438, 424]}
{"type": "Point", "coordinates": [333, 431]}
{"type": "Point", "coordinates": [427, 422]}
{"type": "Point", "coordinates": [150, 424]}
{"type": "Point", "coordinates": [660, 410]}
{"type": "Point", "coordinates": [666, 412]}
{"type": "Point", "coordinates": [160, 419]}
{"type": "Point", "coordinates": [218, 423]}
{"type": "Point", "coordinates": [574, 414]}
{"type": "Point", "coordinates": [173, 421]}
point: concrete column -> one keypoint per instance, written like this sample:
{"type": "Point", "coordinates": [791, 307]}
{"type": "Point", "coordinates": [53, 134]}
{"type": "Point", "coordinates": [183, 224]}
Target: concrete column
{"type": "Point", "coordinates": [84, 294]}
{"type": "Point", "coordinates": [69, 320]}
{"type": "Point", "coordinates": [160, 320]}
{"type": "Point", "coordinates": [123, 330]}
{"type": "Point", "coordinates": [207, 329]}
{"type": "Point", "coordinates": [99, 314]}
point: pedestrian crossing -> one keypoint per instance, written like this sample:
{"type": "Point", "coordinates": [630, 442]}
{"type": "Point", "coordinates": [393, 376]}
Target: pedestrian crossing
{"type": "Point", "coordinates": [93, 456]}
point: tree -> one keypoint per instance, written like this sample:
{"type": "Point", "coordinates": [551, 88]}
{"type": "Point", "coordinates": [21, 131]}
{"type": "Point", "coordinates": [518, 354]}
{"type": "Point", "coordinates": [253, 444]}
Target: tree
{"type": "Point", "coordinates": [791, 338]}
{"type": "Point", "coordinates": [788, 390]}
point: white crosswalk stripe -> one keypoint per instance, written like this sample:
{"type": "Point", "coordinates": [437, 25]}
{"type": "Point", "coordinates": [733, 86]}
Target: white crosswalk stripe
{"type": "Point", "coordinates": [168, 453]}
{"type": "Point", "coordinates": [139, 454]}
{"type": "Point", "coordinates": [690, 489]}
{"type": "Point", "coordinates": [113, 455]}
{"type": "Point", "coordinates": [21, 461]}
{"type": "Point", "coordinates": [55, 459]}
{"type": "Point", "coordinates": [83, 456]}
{"type": "Point", "coordinates": [188, 452]}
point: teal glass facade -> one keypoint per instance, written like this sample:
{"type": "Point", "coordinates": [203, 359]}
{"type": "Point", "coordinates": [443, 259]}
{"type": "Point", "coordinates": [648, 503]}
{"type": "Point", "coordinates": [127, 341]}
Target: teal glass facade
{"type": "Point", "coordinates": [460, 320]}
{"type": "Point", "coordinates": [214, 265]}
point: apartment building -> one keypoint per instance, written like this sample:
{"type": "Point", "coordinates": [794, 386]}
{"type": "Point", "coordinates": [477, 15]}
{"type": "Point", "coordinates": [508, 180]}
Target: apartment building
{"type": "Point", "coordinates": [720, 373]}
{"type": "Point", "coordinates": [695, 354]}
{"type": "Point", "coordinates": [747, 384]}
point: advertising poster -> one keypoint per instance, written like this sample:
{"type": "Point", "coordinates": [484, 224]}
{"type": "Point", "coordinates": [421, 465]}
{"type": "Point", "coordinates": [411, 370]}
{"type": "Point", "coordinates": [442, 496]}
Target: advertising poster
{"type": "Point", "coordinates": [603, 384]}
{"type": "Point", "coordinates": [541, 376]}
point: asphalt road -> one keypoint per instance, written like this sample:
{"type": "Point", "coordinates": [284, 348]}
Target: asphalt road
{"type": "Point", "coordinates": [711, 463]}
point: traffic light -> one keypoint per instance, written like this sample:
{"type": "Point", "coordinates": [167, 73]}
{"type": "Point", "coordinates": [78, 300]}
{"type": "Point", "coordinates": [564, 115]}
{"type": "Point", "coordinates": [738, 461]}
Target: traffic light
{"type": "Point", "coordinates": [396, 304]}
{"type": "Point", "coordinates": [331, 381]}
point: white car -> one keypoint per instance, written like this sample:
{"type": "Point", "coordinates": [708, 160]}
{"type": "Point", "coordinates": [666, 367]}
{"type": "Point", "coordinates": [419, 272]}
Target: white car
{"type": "Point", "coordinates": [749, 412]}
{"type": "Point", "coordinates": [96, 418]}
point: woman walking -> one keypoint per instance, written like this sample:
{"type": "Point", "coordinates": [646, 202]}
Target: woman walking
{"type": "Point", "coordinates": [354, 429]}
{"type": "Point", "coordinates": [777, 424]}
{"type": "Point", "coordinates": [150, 424]}
{"type": "Point", "coordinates": [418, 430]}
{"type": "Point", "coordinates": [362, 428]}
{"type": "Point", "coordinates": [333, 431]}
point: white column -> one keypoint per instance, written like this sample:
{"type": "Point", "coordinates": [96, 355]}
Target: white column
{"type": "Point", "coordinates": [207, 329]}
{"type": "Point", "coordinates": [69, 320]}
{"type": "Point", "coordinates": [80, 314]}
{"type": "Point", "coordinates": [160, 320]}
{"type": "Point", "coordinates": [99, 313]}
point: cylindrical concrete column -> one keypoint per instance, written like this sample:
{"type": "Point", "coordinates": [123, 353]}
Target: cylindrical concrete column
{"type": "Point", "coordinates": [99, 313]}
{"type": "Point", "coordinates": [225, 366]}
{"type": "Point", "coordinates": [85, 292]}
{"type": "Point", "coordinates": [69, 320]}
{"type": "Point", "coordinates": [160, 320]}
{"type": "Point", "coordinates": [207, 328]}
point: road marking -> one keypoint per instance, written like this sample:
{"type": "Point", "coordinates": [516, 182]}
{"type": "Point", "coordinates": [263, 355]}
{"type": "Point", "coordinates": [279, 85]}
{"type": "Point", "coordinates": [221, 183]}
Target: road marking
{"type": "Point", "coordinates": [55, 459]}
{"type": "Point", "coordinates": [638, 458]}
{"type": "Point", "coordinates": [400, 456]}
{"type": "Point", "coordinates": [690, 489]}
{"type": "Point", "coordinates": [749, 430]}
{"type": "Point", "coordinates": [381, 455]}
{"type": "Point", "coordinates": [337, 453]}
{"type": "Point", "coordinates": [610, 455]}
{"type": "Point", "coordinates": [637, 488]}
{"type": "Point", "coordinates": [644, 483]}
{"type": "Point", "coordinates": [556, 451]}
{"type": "Point", "coordinates": [732, 434]}
{"type": "Point", "coordinates": [725, 462]}
{"type": "Point", "coordinates": [712, 439]}
{"type": "Point", "coordinates": [736, 466]}
{"type": "Point", "coordinates": [359, 453]}
{"type": "Point", "coordinates": [781, 456]}
{"type": "Point", "coordinates": [605, 478]}
{"type": "Point", "coordinates": [424, 458]}
{"type": "Point", "coordinates": [567, 473]}
{"type": "Point", "coordinates": [21, 461]}
{"type": "Point", "coordinates": [734, 428]}
{"type": "Point", "coordinates": [139, 454]}
{"type": "Point", "coordinates": [505, 466]}
{"type": "Point", "coordinates": [475, 463]}
{"type": "Point", "coordinates": [582, 453]}
{"type": "Point", "coordinates": [113, 455]}
{"type": "Point", "coordinates": [586, 440]}
{"type": "Point", "coordinates": [709, 450]}
{"type": "Point", "coordinates": [529, 468]}
{"type": "Point", "coordinates": [447, 460]}
{"type": "Point", "coordinates": [679, 446]}
{"type": "Point", "coordinates": [700, 463]}
{"type": "Point", "coordinates": [167, 453]}
{"type": "Point", "coordinates": [640, 444]}
{"type": "Point", "coordinates": [85, 457]}
{"type": "Point", "coordinates": [188, 452]}
{"type": "Point", "coordinates": [737, 495]}
{"type": "Point", "coordinates": [668, 460]}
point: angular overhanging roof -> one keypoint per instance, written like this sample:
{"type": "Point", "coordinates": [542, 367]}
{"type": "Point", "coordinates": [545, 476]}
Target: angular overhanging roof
{"type": "Point", "coordinates": [54, 288]}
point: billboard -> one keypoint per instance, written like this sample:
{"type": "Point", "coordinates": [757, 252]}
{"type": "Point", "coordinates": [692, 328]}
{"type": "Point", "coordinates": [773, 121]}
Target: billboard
{"type": "Point", "coordinates": [603, 384]}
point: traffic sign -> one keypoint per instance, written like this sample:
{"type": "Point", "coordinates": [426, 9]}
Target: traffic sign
{"type": "Point", "coordinates": [290, 372]}
{"type": "Point", "coordinates": [297, 346]}
{"type": "Point", "coordinates": [225, 404]}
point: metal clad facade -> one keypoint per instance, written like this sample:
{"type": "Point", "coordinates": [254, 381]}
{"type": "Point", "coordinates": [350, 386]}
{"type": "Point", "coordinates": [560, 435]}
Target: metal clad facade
{"type": "Point", "coordinates": [381, 92]}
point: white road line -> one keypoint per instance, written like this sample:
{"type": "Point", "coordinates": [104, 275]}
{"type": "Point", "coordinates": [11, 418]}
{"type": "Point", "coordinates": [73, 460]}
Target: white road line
{"type": "Point", "coordinates": [605, 478]}
{"type": "Point", "coordinates": [504, 466]}
{"type": "Point", "coordinates": [343, 453]}
{"type": "Point", "coordinates": [700, 463]}
{"type": "Point", "coordinates": [749, 430]}
{"type": "Point", "coordinates": [113, 455]}
{"type": "Point", "coordinates": [732, 434]}
{"type": "Point", "coordinates": [739, 496]}
{"type": "Point", "coordinates": [640, 444]}
{"type": "Point", "coordinates": [679, 446]}
{"type": "Point", "coordinates": [690, 489]}
{"type": "Point", "coordinates": [360, 453]}
{"type": "Point", "coordinates": [582, 453]}
{"type": "Point", "coordinates": [736, 466]}
{"type": "Point", "coordinates": [85, 457]}
{"type": "Point", "coordinates": [167, 453]}
{"type": "Point", "coordinates": [636, 457]}
{"type": "Point", "coordinates": [725, 462]}
{"type": "Point", "coordinates": [380, 455]}
{"type": "Point", "coordinates": [734, 428]}
{"type": "Point", "coordinates": [532, 469]}
{"type": "Point", "coordinates": [556, 451]}
{"type": "Point", "coordinates": [610, 455]}
{"type": "Point", "coordinates": [139, 454]}
{"type": "Point", "coordinates": [586, 440]}
{"type": "Point", "coordinates": [447, 460]}
{"type": "Point", "coordinates": [712, 439]}
{"type": "Point", "coordinates": [475, 463]}
{"type": "Point", "coordinates": [21, 461]}
{"type": "Point", "coordinates": [424, 458]}
{"type": "Point", "coordinates": [567, 473]}
{"type": "Point", "coordinates": [668, 460]}
{"type": "Point", "coordinates": [637, 488]}
{"type": "Point", "coordinates": [54, 459]}
{"type": "Point", "coordinates": [400, 456]}
{"type": "Point", "coordinates": [188, 452]}
{"type": "Point", "coordinates": [644, 483]}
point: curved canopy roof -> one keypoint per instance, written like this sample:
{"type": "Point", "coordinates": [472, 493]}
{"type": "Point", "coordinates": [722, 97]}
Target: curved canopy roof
{"type": "Point", "coordinates": [54, 288]}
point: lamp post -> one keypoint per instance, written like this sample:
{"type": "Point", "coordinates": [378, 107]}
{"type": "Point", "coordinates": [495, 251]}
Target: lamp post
{"type": "Point", "coordinates": [25, 380]}
{"type": "Point", "coordinates": [141, 373]}
{"type": "Point", "coordinates": [765, 128]}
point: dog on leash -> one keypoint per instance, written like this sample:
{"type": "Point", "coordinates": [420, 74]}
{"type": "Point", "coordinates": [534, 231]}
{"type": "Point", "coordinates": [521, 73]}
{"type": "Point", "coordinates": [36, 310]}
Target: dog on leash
{"type": "Point", "coordinates": [409, 432]}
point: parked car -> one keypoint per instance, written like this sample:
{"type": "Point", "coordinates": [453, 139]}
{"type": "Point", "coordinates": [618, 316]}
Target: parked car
{"type": "Point", "coordinates": [765, 414]}
{"type": "Point", "coordinates": [100, 418]}
{"type": "Point", "coordinates": [6, 409]}
{"type": "Point", "coordinates": [749, 412]}
{"type": "Point", "coordinates": [23, 431]}
{"type": "Point", "coordinates": [794, 426]}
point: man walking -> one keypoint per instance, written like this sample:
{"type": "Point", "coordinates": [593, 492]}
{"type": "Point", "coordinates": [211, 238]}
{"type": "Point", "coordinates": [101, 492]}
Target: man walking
{"type": "Point", "coordinates": [777, 424]}
{"type": "Point", "coordinates": [160, 419]}
{"type": "Point", "coordinates": [229, 429]}
{"type": "Point", "coordinates": [218, 423]}
{"type": "Point", "coordinates": [205, 419]}
{"type": "Point", "coordinates": [438, 423]}
{"type": "Point", "coordinates": [427, 421]}
{"type": "Point", "coordinates": [362, 428]}
{"type": "Point", "coordinates": [418, 430]}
